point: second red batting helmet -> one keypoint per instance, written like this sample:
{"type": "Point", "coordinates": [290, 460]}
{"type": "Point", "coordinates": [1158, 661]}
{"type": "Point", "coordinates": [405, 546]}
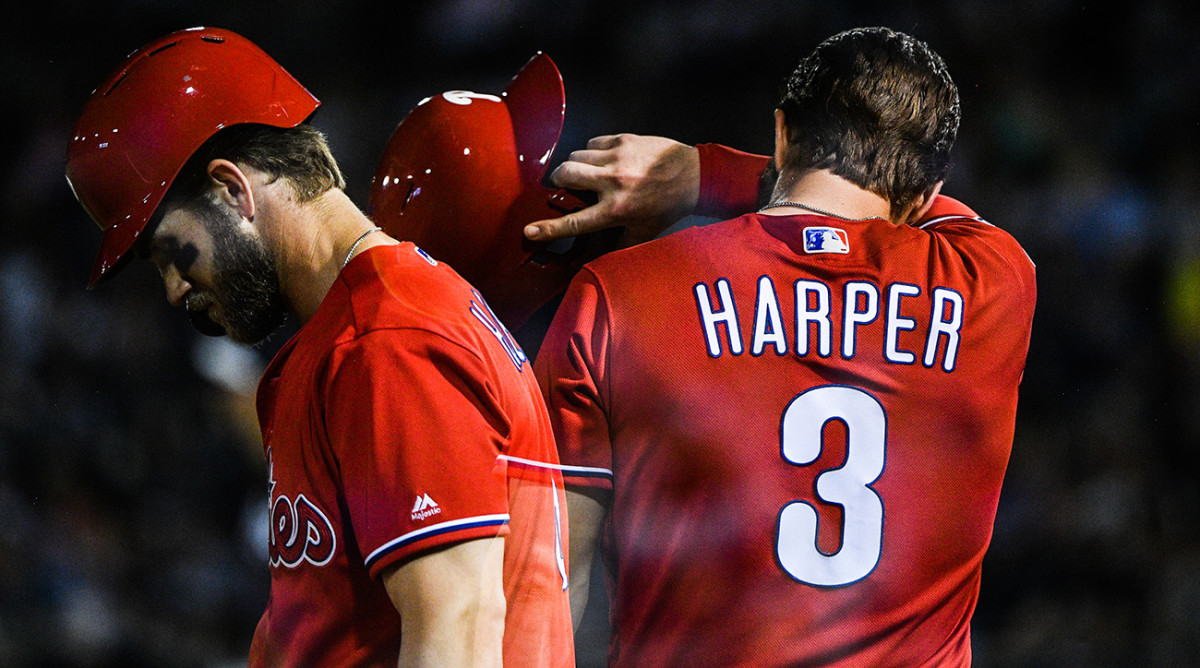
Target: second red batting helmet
{"type": "Point", "coordinates": [140, 126]}
{"type": "Point", "coordinates": [462, 175]}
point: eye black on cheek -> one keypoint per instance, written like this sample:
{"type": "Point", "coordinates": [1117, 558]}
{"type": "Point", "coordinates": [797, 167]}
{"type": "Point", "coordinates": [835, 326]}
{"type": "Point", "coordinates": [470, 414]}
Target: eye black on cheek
{"type": "Point", "coordinates": [186, 257]}
{"type": "Point", "coordinates": [183, 257]}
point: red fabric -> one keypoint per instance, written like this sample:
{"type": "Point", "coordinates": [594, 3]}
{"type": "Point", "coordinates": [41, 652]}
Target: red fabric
{"type": "Point", "coordinates": [402, 417]}
{"type": "Point", "coordinates": [729, 181]}
{"type": "Point", "coordinates": [707, 409]}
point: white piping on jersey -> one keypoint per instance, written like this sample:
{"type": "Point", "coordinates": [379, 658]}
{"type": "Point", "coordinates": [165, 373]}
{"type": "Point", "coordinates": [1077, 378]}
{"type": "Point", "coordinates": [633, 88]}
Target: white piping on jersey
{"type": "Point", "coordinates": [529, 462]}
{"type": "Point", "coordinates": [443, 527]}
{"type": "Point", "coordinates": [560, 467]}
{"type": "Point", "coordinates": [560, 559]}
{"type": "Point", "coordinates": [942, 219]}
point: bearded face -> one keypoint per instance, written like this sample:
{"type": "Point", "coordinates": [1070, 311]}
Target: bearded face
{"type": "Point", "coordinates": [244, 299]}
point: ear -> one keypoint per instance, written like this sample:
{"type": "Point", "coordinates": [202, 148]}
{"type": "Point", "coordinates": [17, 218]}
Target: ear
{"type": "Point", "coordinates": [923, 204]}
{"type": "Point", "coordinates": [781, 137]}
{"type": "Point", "coordinates": [233, 186]}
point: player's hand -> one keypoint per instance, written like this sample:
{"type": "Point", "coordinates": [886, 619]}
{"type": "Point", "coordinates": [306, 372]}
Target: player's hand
{"type": "Point", "coordinates": [643, 183]}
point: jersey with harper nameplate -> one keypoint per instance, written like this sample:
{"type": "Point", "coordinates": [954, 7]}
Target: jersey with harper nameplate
{"type": "Point", "coordinates": [804, 422]}
{"type": "Point", "coordinates": [401, 418]}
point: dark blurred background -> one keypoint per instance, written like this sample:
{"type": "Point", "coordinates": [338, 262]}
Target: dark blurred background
{"type": "Point", "coordinates": [132, 485]}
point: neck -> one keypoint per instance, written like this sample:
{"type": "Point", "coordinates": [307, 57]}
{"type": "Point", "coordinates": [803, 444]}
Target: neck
{"type": "Point", "coordinates": [823, 190]}
{"type": "Point", "coordinates": [312, 245]}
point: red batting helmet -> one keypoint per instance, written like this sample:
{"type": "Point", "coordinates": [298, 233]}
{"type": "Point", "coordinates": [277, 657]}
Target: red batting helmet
{"type": "Point", "coordinates": [146, 119]}
{"type": "Point", "coordinates": [461, 177]}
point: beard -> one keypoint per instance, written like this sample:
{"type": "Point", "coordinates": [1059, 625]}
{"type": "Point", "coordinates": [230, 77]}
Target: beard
{"type": "Point", "coordinates": [245, 284]}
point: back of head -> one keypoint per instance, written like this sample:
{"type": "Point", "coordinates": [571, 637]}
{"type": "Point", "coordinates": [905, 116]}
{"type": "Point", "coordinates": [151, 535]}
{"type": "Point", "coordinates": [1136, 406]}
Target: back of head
{"type": "Point", "coordinates": [876, 107]}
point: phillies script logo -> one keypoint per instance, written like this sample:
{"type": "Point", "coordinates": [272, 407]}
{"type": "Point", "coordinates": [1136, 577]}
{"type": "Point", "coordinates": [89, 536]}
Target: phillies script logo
{"type": "Point", "coordinates": [483, 313]}
{"type": "Point", "coordinates": [299, 530]}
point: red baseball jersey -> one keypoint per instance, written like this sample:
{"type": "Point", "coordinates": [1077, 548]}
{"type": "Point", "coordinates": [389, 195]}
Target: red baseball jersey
{"type": "Point", "coordinates": [804, 422]}
{"type": "Point", "coordinates": [400, 418]}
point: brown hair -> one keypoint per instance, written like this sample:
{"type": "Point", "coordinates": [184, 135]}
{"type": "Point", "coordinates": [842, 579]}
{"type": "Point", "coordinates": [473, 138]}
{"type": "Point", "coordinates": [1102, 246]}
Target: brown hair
{"type": "Point", "coordinates": [876, 107]}
{"type": "Point", "coordinates": [300, 155]}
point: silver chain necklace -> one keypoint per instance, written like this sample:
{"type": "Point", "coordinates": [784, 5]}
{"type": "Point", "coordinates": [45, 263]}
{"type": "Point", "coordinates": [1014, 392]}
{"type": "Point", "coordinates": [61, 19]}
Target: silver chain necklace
{"type": "Point", "coordinates": [801, 205]}
{"type": "Point", "coordinates": [356, 243]}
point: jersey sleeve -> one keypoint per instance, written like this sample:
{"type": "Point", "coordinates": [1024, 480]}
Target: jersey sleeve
{"type": "Point", "coordinates": [571, 369]}
{"type": "Point", "coordinates": [979, 247]}
{"type": "Point", "coordinates": [416, 434]}
{"type": "Point", "coordinates": [728, 181]}
{"type": "Point", "coordinates": [1001, 280]}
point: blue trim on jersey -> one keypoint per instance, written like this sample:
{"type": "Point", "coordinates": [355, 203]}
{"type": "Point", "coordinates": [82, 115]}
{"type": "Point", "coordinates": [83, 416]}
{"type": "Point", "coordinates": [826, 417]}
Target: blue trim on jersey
{"type": "Point", "coordinates": [586, 472]}
{"type": "Point", "coordinates": [435, 530]}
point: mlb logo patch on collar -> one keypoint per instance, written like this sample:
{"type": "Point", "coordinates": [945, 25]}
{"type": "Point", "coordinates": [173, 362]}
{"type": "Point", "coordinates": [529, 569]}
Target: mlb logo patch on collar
{"type": "Point", "coordinates": [825, 240]}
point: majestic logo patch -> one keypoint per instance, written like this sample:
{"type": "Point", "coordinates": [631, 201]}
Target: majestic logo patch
{"type": "Point", "coordinates": [825, 240]}
{"type": "Point", "coordinates": [424, 507]}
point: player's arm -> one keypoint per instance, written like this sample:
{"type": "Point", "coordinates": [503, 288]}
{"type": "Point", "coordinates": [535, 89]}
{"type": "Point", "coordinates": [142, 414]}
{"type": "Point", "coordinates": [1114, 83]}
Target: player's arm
{"type": "Point", "coordinates": [647, 183]}
{"type": "Point", "coordinates": [572, 372]}
{"type": "Point", "coordinates": [586, 508]}
{"type": "Point", "coordinates": [391, 438]}
{"type": "Point", "coordinates": [451, 603]}
{"type": "Point", "coordinates": [642, 183]}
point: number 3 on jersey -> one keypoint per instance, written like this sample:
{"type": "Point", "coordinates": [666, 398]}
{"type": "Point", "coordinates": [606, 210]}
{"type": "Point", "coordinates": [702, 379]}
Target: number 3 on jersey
{"type": "Point", "coordinates": [801, 431]}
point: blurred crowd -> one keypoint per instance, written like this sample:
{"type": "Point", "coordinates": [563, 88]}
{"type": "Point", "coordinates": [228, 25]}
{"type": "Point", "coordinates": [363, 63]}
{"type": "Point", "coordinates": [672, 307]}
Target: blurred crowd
{"type": "Point", "coordinates": [132, 484]}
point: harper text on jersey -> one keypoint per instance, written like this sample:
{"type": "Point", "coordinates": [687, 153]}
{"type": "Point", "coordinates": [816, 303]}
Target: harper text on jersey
{"type": "Point", "coordinates": [820, 311]}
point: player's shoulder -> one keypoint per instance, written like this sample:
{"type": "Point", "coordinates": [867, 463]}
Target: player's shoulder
{"type": "Point", "coordinates": [408, 299]}
{"type": "Point", "coordinates": [980, 233]}
{"type": "Point", "coordinates": [671, 252]}
{"type": "Point", "coordinates": [946, 207]}
{"type": "Point", "coordinates": [403, 287]}
{"type": "Point", "coordinates": [960, 226]}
